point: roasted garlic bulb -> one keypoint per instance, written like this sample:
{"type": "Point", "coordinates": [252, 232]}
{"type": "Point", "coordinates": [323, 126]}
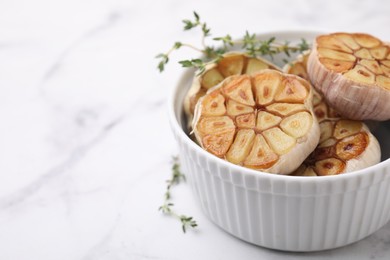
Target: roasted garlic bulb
{"type": "Point", "coordinates": [232, 63]}
{"type": "Point", "coordinates": [264, 121]}
{"type": "Point", "coordinates": [345, 145]}
{"type": "Point", "coordinates": [352, 71]}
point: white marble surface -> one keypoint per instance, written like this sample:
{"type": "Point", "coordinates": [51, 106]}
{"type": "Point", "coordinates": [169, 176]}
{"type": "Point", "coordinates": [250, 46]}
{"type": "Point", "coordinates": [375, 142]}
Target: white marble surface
{"type": "Point", "coordinates": [85, 143]}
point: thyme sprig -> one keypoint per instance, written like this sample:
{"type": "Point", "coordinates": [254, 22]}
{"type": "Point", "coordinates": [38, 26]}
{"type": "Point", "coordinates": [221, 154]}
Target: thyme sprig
{"type": "Point", "coordinates": [167, 207]}
{"type": "Point", "coordinates": [249, 43]}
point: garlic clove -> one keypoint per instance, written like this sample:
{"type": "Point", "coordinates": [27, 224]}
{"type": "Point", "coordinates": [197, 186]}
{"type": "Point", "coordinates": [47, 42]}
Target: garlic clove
{"type": "Point", "coordinates": [266, 120]}
{"type": "Point", "coordinates": [231, 65]}
{"type": "Point", "coordinates": [279, 141]}
{"type": "Point", "coordinates": [214, 104]}
{"type": "Point", "coordinates": [218, 144]}
{"type": "Point", "coordinates": [344, 128]}
{"type": "Point", "coordinates": [337, 65]}
{"type": "Point", "coordinates": [333, 43]}
{"type": "Point", "coordinates": [293, 92]}
{"type": "Point", "coordinates": [327, 143]}
{"type": "Point", "coordinates": [246, 121]}
{"type": "Point", "coordinates": [371, 65]}
{"type": "Point", "coordinates": [360, 74]}
{"type": "Point", "coordinates": [326, 131]}
{"type": "Point", "coordinates": [366, 40]}
{"type": "Point", "coordinates": [329, 166]}
{"type": "Point", "coordinates": [297, 125]}
{"type": "Point", "coordinates": [255, 65]}
{"type": "Point", "coordinates": [299, 70]}
{"type": "Point", "coordinates": [285, 109]}
{"type": "Point", "coordinates": [363, 54]}
{"type": "Point", "coordinates": [266, 86]}
{"type": "Point", "coordinates": [379, 53]}
{"type": "Point", "coordinates": [215, 125]}
{"type": "Point", "coordinates": [386, 70]}
{"type": "Point", "coordinates": [386, 63]}
{"type": "Point", "coordinates": [348, 40]}
{"type": "Point", "coordinates": [234, 108]}
{"type": "Point", "coordinates": [211, 78]}
{"type": "Point", "coordinates": [239, 89]}
{"type": "Point", "coordinates": [383, 81]}
{"type": "Point", "coordinates": [241, 146]}
{"type": "Point", "coordinates": [352, 146]}
{"type": "Point", "coordinates": [261, 156]}
{"type": "Point", "coordinates": [335, 55]}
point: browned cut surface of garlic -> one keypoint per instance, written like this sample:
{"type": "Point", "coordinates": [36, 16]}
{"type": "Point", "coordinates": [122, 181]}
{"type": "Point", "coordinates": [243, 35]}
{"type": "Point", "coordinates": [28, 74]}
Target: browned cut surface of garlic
{"type": "Point", "coordinates": [263, 121]}
{"type": "Point", "coordinates": [232, 63]}
{"type": "Point", "coordinates": [352, 71]}
{"type": "Point", "coordinates": [345, 145]}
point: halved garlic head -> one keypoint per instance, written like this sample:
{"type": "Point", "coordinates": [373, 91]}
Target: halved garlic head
{"type": "Point", "coordinates": [263, 121]}
{"type": "Point", "coordinates": [232, 63]}
{"type": "Point", "coordinates": [345, 146]}
{"type": "Point", "coordinates": [352, 71]}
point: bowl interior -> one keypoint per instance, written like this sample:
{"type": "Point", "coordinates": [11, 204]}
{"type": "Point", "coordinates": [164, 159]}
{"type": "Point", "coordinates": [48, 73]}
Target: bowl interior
{"type": "Point", "coordinates": [381, 130]}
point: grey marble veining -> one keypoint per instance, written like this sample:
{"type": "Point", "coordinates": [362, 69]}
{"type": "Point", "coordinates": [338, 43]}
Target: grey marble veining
{"type": "Point", "coordinates": [85, 143]}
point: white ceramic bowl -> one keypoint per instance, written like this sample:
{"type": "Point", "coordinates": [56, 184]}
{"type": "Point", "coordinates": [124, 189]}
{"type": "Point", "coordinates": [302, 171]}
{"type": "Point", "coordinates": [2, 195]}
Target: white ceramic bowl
{"type": "Point", "coordinates": [284, 212]}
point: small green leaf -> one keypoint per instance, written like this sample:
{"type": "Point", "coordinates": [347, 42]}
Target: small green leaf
{"type": "Point", "coordinates": [186, 63]}
{"type": "Point", "coordinates": [160, 55]}
{"type": "Point", "coordinates": [195, 63]}
{"type": "Point", "coordinates": [205, 30]}
{"type": "Point", "coordinates": [271, 40]}
{"type": "Point", "coordinates": [177, 45]}
{"type": "Point", "coordinates": [303, 45]}
{"type": "Point", "coordinates": [196, 17]}
{"type": "Point", "coordinates": [167, 195]}
{"type": "Point", "coordinates": [188, 25]}
{"type": "Point", "coordinates": [183, 226]}
{"type": "Point", "coordinates": [286, 51]}
{"type": "Point", "coordinates": [161, 66]}
{"type": "Point", "coordinates": [163, 60]}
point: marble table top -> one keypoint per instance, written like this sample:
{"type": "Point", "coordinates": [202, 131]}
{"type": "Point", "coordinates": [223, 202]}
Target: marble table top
{"type": "Point", "coordinates": [85, 143]}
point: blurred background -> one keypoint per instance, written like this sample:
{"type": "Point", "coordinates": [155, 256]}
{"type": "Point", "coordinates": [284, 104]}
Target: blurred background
{"type": "Point", "coordinates": [85, 144]}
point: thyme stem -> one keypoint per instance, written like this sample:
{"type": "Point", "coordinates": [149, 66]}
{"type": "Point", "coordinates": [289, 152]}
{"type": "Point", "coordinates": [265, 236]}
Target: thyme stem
{"type": "Point", "coordinates": [249, 43]}
{"type": "Point", "coordinates": [167, 206]}
{"type": "Point", "coordinates": [193, 47]}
